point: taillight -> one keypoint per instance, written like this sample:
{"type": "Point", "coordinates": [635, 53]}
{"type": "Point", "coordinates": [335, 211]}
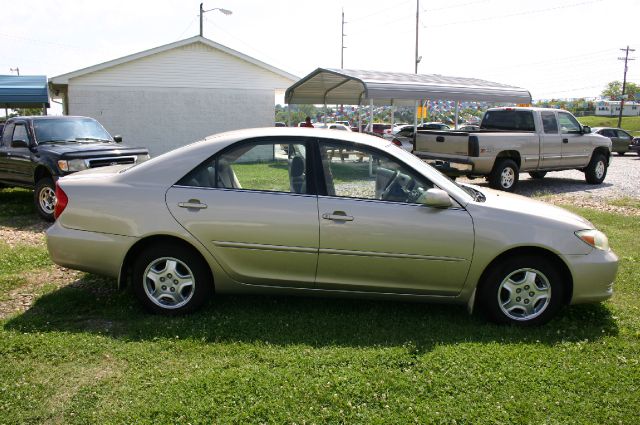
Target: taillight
{"type": "Point", "coordinates": [396, 142]}
{"type": "Point", "coordinates": [61, 201]}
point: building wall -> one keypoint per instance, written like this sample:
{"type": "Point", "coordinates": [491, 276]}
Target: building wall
{"type": "Point", "coordinates": [612, 109]}
{"type": "Point", "coordinates": [165, 118]}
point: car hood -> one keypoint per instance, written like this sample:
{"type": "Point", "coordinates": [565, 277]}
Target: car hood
{"type": "Point", "coordinates": [86, 149]}
{"type": "Point", "coordinates": [529, 210]}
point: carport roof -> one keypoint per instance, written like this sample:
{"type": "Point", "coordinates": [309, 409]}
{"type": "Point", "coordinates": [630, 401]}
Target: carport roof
{"type": "Point", "coordinates": [353, 87]}
{"type": "Point", "coordinates": [27, 91]}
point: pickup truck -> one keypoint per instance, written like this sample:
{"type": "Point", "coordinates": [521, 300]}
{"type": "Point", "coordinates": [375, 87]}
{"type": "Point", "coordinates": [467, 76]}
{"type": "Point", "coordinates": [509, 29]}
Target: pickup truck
{"type": "Point", "coordinates": [514, 140]}
{"type": "Point", "coordinates": [36, 151]}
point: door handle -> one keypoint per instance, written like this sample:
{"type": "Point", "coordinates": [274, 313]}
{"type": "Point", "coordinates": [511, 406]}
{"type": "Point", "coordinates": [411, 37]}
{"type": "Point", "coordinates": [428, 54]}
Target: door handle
{"type": "Point", "coordinates": [337, 216]}
{"type": "Point", "coordinates": [192, 204]}
{"type": "Point", "coordinates": [565, 140]}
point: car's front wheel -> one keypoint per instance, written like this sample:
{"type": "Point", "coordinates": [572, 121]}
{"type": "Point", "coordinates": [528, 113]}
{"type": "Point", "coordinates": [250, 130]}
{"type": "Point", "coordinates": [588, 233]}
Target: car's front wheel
{"type": "Point", "coordinates": [523, 291]}
{"type": "Point", "coordinates": [596, 171]}
{"type": "Point", "coordinates": [44, 198]}
{"type": "Point", "coordinates": [171, 279]}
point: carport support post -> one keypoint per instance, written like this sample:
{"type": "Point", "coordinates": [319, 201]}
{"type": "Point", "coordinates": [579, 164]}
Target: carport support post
{"type": "Point", "coordinates": [457, 111]}
{"type": "Point", "coordinates": [415, 118]}
{"type": "Point", "coordinates": [325, 114]}
{"type": "Point", "coordinates": [359, 118]}
{"type": "Point", "coordinates": [288, 115]}
{"type": "Point", "coordinates": [392, 115]}
{"type": "Point", "coordinates": [371, 115]}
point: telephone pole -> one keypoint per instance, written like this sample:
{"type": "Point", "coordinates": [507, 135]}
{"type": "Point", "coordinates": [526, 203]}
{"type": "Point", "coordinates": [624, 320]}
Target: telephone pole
{"type": "Point", "coordinates": [624, 81]}
{"type": "Point", "coordinates": [16, 70]}
{"type": "Point", "coordinates": [417, 58]}
{"type": "Point", "coordinates": [343, 46]}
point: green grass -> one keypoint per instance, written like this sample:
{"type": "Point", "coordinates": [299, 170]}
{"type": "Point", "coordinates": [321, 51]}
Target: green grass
{"type": "Point", "coordinates": [631, 124]}
{"type": "Point", "coordinates": [87, 354]}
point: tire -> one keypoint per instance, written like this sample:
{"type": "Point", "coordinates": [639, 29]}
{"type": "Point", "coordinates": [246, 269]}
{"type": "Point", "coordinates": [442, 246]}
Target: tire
{"type": "Point", "coordinates": [44, 197]}
{"type": "Point", "coordinates": [171, 279]}
{"type": "Point", "coordinates": [522, 291]}
{"type": "Point", "coordinates": [596, 171]}
{"type": "Point", "coordinates": [505, 175]}
{"type": "Point", "coordinates": [538, 174]}
{"type": "Point", "coordinates": [621, 153]}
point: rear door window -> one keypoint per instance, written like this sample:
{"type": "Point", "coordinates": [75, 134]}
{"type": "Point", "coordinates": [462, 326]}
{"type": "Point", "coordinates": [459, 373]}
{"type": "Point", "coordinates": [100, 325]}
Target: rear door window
{"type": "Point", "coordinates": [549, 122]}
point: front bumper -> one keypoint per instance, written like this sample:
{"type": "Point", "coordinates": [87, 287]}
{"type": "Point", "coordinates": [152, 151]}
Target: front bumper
{"type": "Point", "coordinates": [93, 252]}
{"type": "Point", "coordinates": [593, 275]}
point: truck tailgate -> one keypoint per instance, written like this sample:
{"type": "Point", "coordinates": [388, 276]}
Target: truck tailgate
{"type": "Point", "coordinates": [446, 142]}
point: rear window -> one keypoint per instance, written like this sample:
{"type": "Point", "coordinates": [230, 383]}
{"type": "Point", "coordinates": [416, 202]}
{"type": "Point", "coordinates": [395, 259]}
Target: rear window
{"type": "Point", "coordinates": [508, 120]}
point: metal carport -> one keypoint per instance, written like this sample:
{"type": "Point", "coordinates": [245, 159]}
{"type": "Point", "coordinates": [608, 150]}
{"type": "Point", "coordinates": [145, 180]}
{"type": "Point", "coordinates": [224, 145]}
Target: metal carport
{"type": "Point", "coordinates": [356, 87]}
{"type": "Point", "coordinates": [28, 91]}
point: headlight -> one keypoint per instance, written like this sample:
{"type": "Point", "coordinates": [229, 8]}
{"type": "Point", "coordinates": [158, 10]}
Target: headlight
{"type": "Point", "coordinates": [594, 238]}
{"type": "Point", "coordinates": [142, 158]}
{"type": "Point", "coordinates": [72, 165]}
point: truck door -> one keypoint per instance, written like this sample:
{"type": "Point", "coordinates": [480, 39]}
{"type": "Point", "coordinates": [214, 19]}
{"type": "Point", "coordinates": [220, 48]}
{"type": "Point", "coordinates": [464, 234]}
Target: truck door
{"type": "Point", "coordinates": [576, 149]}
{"type": "Point", "coordinates": [551, 140]}
{"type": "Point", "coordinates": [5, 145]}
{"type": "Point", "coordinates": [19, 165]}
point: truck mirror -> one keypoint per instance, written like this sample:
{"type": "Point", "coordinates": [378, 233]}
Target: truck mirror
{"type": "Point", "coordinates": [19, 143]}
{"type": "Point", "coordinates": [117, 138]}
{"type": "Point", "coordinates": [586, 129]}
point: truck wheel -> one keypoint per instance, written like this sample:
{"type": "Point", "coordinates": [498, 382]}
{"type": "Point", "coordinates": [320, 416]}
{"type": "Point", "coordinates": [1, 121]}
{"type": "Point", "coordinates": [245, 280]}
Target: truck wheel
{"type": "Point", "coordinates": [44, 196]}
{"type": "Point", "coordinates": [504, 175]}
{"type": "Point", "coordinates": [621, 153]}
{"type": "Point", "coordinates": [522, 291]}
{"type": "Point", "coordinates": [596, 171]}
{"type": "Point", "coordinates": [538, 174]}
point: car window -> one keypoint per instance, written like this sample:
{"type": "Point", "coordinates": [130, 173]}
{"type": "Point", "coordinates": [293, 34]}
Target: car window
{"type": "Point", "coordinates": [274, 167]}
{"type": "Point", "coordinates": [568, 124]}
{"type": "Point", "coordinates": [20, 133]}
{"type": "Point", "coordinates": [365, 173]}
{"type": "Point", "coordinates": [549, 122]}
{"type": "Point", "coordinates": [623, 134]}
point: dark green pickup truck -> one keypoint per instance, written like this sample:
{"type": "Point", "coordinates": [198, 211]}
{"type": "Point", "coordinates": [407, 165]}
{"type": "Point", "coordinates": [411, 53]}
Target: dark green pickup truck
{"type": "Point", "coordinates": [36, 151]}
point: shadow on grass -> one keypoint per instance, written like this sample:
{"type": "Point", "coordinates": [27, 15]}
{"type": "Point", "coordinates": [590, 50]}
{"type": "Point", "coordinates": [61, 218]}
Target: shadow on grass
{"type": "Point", "coordinates": [17, 209]}
{"type": "Point", "coordinates": [90, 305]}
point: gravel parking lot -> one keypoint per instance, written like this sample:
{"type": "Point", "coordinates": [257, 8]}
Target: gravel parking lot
{"type": "Point", "coordinates": [622, 181]}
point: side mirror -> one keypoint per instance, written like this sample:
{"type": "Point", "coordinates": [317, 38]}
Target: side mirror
{"type": "Point", "coordinates": [436, 198]}
{"type": "Point", "coordinates": [117, 138]}
{"type": "Point", "coordinates": [586, 129]}
{"type": "Point", "coordinates": [19, 143]}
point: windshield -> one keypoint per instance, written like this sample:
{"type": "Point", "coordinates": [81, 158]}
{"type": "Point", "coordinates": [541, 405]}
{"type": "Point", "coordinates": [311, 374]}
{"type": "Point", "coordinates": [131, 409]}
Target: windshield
{"type": "Point", "coordinates": [70, 130]}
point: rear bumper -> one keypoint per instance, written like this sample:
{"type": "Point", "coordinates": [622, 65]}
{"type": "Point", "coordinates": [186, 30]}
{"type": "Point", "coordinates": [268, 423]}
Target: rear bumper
{"type": "Point", "coordinates": [455, 165]}
{"type": "Point", "coordinates": [92, 252]}
{"type": "Point", "coordinates": [593, 276]}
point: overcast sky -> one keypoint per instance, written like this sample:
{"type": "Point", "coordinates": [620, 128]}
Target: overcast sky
{"type": "Point", "coordinates": [553, 48]}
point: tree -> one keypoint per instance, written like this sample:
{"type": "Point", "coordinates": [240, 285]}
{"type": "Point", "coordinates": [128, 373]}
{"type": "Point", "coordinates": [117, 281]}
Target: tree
{"type": "Point", "coordinates": [614, 89]}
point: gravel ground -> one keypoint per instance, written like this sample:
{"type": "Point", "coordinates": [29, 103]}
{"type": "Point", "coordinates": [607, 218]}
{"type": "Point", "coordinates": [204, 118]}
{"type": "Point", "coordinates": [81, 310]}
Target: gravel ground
{"type": "Point", "coordinates": [622, 181]}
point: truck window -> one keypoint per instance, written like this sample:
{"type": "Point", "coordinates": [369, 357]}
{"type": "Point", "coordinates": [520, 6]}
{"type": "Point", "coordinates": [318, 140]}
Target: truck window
{"type": "Point", "coordinates": [549, 122]}
{"type": "Point", "coordinates": [20, 133]}
{"type": "Point", "coordinates": [568, 124]}
{"type": "Point", "coordinates": [508, 119]}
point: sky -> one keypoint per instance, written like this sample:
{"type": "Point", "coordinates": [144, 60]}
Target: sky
{"type": "Point", "coordinates": [553, 48]}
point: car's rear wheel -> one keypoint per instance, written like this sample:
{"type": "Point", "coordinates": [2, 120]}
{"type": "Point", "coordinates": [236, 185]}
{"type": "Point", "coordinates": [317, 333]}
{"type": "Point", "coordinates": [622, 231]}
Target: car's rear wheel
{"type": "Point", "coordinates": [505, 175]}
{"type": "Point", "coordinates": [523, 291]}
{"type": "Point", "coordinates": [171, 279]}
{"type": "Point", "coordinates": [44, 197]}
{"type": "Point", "coordinates": [538, 174]}
{"type": "Point", "coordinates": [596, 171]}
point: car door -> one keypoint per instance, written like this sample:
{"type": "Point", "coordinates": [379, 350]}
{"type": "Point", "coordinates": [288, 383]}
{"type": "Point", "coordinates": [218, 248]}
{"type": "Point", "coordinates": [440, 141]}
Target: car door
{"type": "Point", "coordinates": [5, 146]}
{"type": "Point", "coordinates": [18, 156]}
{"type": "Point", "coordinates": [255, 209]}
{"type": "Point", "coordinates": [576, 149]}
{"type": "Point", "coordinates": [621, 141]}
{"type": "Point", "coordinates": [551, 149]}
{"type": "Point", "coordinates": [376, 237]}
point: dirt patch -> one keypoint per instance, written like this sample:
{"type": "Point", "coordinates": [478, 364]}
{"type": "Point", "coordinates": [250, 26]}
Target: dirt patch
{"type": "Point", "coordinates": [20, 299]}
{"type": "Point", "coordinates": [32, 235]}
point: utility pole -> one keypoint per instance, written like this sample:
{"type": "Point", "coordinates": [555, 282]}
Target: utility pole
{"type": "Point", "coordinates": [417, 58]}
{"type": "Point", "coordinates": [16, 70]}
{"type": "Point", "coordinates": [202, 12]}
{"type": "Point", "coordinates": [343, 47]}
{"type": "Point", "coordinates": [624, 81]}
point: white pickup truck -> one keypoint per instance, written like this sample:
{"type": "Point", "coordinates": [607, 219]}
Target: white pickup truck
{"type": "Point", "coordinates": [514, 140]}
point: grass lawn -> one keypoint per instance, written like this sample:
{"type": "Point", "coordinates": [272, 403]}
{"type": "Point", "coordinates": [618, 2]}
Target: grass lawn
{"type": "Point", "coordinates": [85, 353]}
{"type": "Point", "coordinates": [631, 124]}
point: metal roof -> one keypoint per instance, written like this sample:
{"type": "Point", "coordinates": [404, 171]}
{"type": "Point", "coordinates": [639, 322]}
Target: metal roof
{"type": "Point", "coordinates": [28, 91]}
{"type": "Point", "coordinates": [353, 87]}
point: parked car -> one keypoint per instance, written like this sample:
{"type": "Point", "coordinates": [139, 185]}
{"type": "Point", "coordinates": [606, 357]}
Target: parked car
{"type": "Point", "coordinates": [338, 214]}
{"type": "Point", "coordinates": [377, 128]}
{"type": "Point", "coordinates": [620, 139]}
{"type": "Point", "coordinates": [469, 127]}
{"type": "Point", "coordinates": [280, 124]}
{"type": "Point", "coordinates": [433, 126]}
{"type": "Point", "coordinates": [36, 151]}
{"type": "Point", "coordinates": [635, 145]}
{"type": "Point", "coordinates": [514, 140]}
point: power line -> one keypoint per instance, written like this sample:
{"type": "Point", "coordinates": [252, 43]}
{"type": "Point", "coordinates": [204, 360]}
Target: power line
{"type": "Point", "coordinates": [455, 6]}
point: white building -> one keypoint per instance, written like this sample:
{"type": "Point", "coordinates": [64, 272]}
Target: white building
{"type": "Point", "coordinates": [174, 94]}
{"type": "Point", "coordinates": [611, 108]}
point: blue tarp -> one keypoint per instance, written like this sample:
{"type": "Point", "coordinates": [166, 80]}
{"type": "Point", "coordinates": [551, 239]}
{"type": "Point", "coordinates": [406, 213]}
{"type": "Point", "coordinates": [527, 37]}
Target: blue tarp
{"type": "Point", "coordinates": [28, 91]}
